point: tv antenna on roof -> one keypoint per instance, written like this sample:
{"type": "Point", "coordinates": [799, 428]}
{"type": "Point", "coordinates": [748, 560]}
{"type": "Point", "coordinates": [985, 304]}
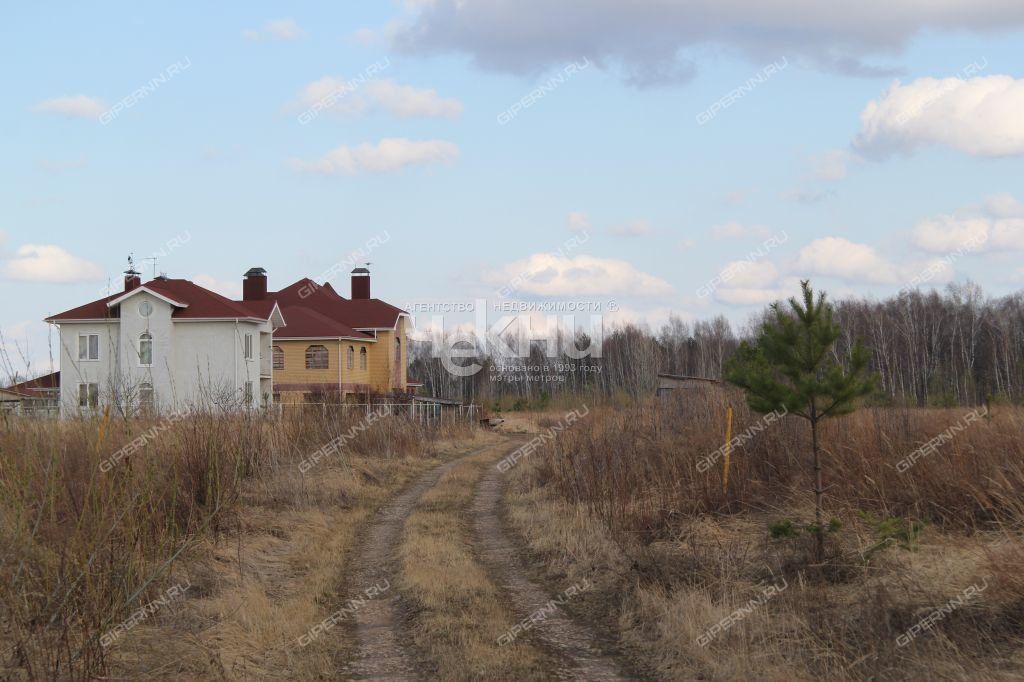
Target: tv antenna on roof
{"type": "Point", "coordinates": [153, 258]}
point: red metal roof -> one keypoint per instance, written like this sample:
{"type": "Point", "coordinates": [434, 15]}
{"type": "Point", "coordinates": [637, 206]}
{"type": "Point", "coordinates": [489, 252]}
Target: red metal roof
{"type": "Point", "coordinates": [45, 381]}
{"type": "Point", "coordinates": [201, 303]}
{"type": "Point", "coordinates": [34, 387]}
{"type": "Point", "coordinates": [366, 313]}
{"type": "Point", "coordinates": [306, 323]}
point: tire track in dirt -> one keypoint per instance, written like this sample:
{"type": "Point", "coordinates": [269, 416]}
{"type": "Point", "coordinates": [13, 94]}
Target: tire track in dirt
{"type": "Point", "coordinates": [557, 629]}
{"type": "Point", "coordinates": [383, 651]}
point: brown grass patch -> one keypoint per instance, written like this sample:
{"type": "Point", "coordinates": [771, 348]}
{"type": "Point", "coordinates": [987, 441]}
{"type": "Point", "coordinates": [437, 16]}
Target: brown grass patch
{"type": "Point", "coordinates": [215, 503]}
{"type": "Point", "coordinates": [620, 500]}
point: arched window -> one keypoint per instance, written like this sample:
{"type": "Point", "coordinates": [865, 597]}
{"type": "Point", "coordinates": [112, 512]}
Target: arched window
{"type": "Point", "coordinates": [350, 357]}
{"type": "Point", "coordinates": [362, 358]}
{"type": "Point", "coordinates": [145, 349]}
{"type": "Point", "coordinates": [316, 357]}
{"type": "Point", "coordinates": [398, 351]}
{"type": "Point", "coordinates": [146, 396]}
{"type": "Point", "coordinates": [278, 356]}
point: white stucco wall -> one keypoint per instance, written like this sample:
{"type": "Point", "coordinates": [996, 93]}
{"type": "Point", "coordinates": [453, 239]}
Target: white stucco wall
{"type": "Point", "coordinates": [197, 364]}
{"type": "Point", "coordinates": [74, 371]}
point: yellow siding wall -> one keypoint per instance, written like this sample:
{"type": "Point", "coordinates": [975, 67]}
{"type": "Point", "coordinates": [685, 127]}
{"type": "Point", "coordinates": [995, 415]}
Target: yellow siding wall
{"type": "Point", "coordinates": [378, 377]}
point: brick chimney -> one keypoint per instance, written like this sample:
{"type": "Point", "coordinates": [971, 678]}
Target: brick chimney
{"type": "Point", "coordinates": [254, 286]}
{"type": "Point", "coordinates": [360, 283]}
{"type": "Point", "coordinates": [131, 279]}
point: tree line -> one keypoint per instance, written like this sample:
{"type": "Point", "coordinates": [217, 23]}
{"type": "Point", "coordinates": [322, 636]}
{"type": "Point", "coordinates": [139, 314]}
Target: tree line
{"type": "Point", "coordinates": [929, 348]}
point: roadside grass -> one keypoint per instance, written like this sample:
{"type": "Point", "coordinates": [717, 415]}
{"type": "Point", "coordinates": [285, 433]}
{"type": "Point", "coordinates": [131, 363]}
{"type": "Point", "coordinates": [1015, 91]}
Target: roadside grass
{"type": "Point", "coordinates": [681, 569]}
{"type": "Point", "coordinates": [214, 503]}
{"type": "Point", "coordinates": [458, 613]}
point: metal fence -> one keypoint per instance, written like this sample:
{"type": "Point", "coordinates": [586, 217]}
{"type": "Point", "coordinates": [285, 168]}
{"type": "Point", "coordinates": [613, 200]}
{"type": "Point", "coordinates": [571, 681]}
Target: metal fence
{"type": "Point", "coordinates": [423, 412]}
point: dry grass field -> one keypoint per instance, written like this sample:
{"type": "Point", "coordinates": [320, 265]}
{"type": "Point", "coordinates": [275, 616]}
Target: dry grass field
{"type": "Point", "coordinates": [210, 520]}
{"type": "Point", "coordinates": [208, 550]}
{"type": "Point", "coordinates": [922, 578]}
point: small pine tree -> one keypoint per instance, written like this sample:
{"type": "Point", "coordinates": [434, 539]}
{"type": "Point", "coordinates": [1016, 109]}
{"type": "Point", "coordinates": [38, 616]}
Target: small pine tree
{"type": "Point", "coordinates": [793, 366]}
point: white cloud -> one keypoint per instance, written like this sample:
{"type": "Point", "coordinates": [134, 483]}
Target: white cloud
{"type": "Point", "coordinates": [998, 225]}
{"type": "Point", "coordinates": [754, 295]}
{"type": "Point", "coordinates": [389, 154]}
{"type": "Point", "coordinates": [949, 233]}
{"type": "Point", "coordinates": [734, 230]}
{"type": "Point", "coordinates": [49, 263]}
{"type": "Point", "coordinates": [72, 106]}
{"type": "Point", "coordinates": [653, 40]}
{"type": "Point", "coordinates": [828, 165]}
{"type": "Point", "coordinates": [276, 29]}
{"type": "Point", "coordinates": [979, 116]}
{"type": "Point", "coordinates": [1004, 206]}
{"type": "Point", "coordinates": [685, 245]}
{"type": "Point", "coordinates": [547, 274]}
{"type": "Point", "coordinates": [232, 288]}
{"type": "Point", "coordinates": [839, 257]}
{"type": "Point", "coordinates": [751, 273]}
{"type": "Point", "coordinates": [578, 221]}
{"type": "Point", "coordinates": [636, 228]}
{"type": "Point", "coordinates": [350, 98]}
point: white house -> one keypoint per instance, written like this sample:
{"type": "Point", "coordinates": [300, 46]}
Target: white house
{"type": "Point", "coordinates": [166, 345]}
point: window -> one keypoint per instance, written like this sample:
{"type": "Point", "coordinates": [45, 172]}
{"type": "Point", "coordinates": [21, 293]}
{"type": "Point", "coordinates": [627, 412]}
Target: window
{"type": "Point", "coordinates": [146, 349]}
{"type": "Point", "coordinates": [88, 395]}
{"type": "Point", "coordinates": [247, 394]}
{"type": "Point", "coordinates": [278, 355]}
{"type": "Point", "coordinates": [248, 347]}
{"type": "Point", "coordinates": [362, 358]}
{"type": "Point", "coordinates": [316, 357]}
{"type": "Point", "coordinates": [146, 396]}
{"type": "Point", "coordinates": [350, 357]}
{"type": "Point", "coordinates": [88, 346]}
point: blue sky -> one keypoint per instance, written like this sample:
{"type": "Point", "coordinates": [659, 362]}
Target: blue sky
{"type": "Point", "coordinates": [861, 198]}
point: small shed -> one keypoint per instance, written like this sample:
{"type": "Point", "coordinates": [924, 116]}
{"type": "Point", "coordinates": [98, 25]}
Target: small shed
{"type": "Point", "coordinates": [10, 401]}
{"type": "Point", "coordinates": [668, 383]}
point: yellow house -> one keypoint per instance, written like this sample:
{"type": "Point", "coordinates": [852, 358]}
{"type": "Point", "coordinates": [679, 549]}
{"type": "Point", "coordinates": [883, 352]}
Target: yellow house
{"type": "Point", "coordinates": [332, 348]}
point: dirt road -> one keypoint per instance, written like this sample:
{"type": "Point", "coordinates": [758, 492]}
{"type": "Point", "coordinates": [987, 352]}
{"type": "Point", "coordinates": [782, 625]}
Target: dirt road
{"type": "Point", "coordinates": [383, 645]}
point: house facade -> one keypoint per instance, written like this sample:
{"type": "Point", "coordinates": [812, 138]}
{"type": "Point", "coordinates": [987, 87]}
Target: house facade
{"type": "Point", "coordinates": [334, 348]}
{"type": "Point", "coordinates": [168, 344]}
